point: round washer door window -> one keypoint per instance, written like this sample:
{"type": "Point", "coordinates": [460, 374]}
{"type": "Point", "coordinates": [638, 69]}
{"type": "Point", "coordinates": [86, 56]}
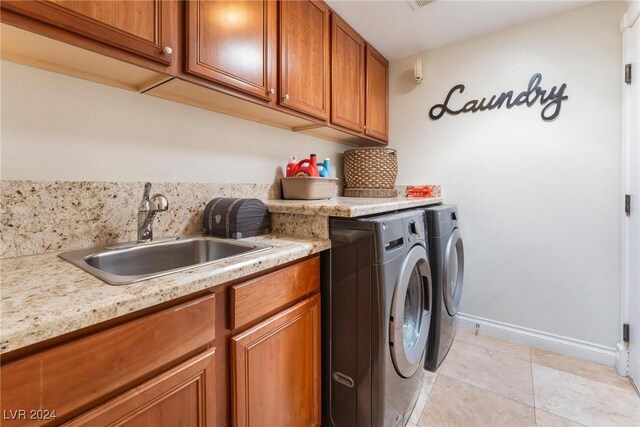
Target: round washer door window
{"type": "Point", "coordinates": [411, 313]}
{"type": "Point", "coordinates": [453, 272]}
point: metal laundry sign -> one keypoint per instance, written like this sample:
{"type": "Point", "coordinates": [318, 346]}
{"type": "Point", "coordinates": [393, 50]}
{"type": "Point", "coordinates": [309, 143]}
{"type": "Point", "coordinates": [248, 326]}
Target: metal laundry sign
{"type": "Point", "coordinates": [550, 100]}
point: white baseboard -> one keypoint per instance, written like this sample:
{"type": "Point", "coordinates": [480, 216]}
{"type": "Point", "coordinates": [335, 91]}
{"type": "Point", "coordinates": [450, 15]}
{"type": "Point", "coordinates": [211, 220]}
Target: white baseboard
{"type": "Point", "coordinates": [544, 340]}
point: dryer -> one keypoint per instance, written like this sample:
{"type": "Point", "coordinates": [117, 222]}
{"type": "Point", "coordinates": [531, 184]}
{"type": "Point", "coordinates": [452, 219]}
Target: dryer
{"type": "Point", "coordinates": [376, 319]}
{"type": "Point", "coordinates": [446, 256]}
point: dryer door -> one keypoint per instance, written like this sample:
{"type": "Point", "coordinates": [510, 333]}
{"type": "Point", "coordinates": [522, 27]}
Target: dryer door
{"type": "Point", "coordinates": [453, 272]}
{"type": "Point", "coordinates": [411, 313]}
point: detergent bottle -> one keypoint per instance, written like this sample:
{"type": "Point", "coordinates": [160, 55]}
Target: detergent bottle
{"type": "Point", "coordinates": [307, 167]}
{"type": "Point", "coordinates": [293, 162]}
{"type": "Point", "coordinates": [324, 169]}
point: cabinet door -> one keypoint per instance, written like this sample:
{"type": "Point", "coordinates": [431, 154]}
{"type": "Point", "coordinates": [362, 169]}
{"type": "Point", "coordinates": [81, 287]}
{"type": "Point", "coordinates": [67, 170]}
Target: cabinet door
{"type": "Point", "coordinates": [304, 56]}
{"type": "Point", "coordinates": [143, 27]}
{"type": "Point", "coordinates": [183, 396]}
{"type": "Point", "coordinates": [82, 372]}
{"type": "Point", "coordinates": [276, 369]}
{"type": "Point", "coordinates": [234, 43]}
{"type": "Point", "coordinates": [377, 109]}
{"type": "Point", "coordinates": [347, 76]}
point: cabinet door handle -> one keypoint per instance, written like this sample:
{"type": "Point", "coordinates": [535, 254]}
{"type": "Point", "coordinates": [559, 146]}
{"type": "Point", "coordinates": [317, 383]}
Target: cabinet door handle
{"type": "Point", "coordinates": [272, 91]}
{"type": "Point", "coordinates": [286, 97]}
{"type": "Point", "coordinates": [167, 50]}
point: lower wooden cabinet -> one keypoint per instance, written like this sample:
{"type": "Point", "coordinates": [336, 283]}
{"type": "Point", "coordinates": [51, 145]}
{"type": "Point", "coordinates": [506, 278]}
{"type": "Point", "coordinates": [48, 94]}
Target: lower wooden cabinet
{"type": "Point", "coordinates": [183, 396]}
{"type": "Point", "coordinates": [182, 365]}
{"type": "Point", "coordinates": [66, 379]}
{"type": "Point", "coordinates": [276, 369]}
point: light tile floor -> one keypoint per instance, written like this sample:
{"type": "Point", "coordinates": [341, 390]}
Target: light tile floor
{"type": "Point", "coordinates": [486, 381]}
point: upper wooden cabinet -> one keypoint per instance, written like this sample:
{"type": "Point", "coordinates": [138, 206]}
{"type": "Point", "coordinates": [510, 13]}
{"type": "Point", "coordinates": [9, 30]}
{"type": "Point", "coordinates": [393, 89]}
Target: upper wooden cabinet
{"type": "Point", "coordinates": [359, 84]}
{"type": "Point", "coordinates": [377, 96]}
{"type": "Point", "coordinates": [304, 57]}
{"type": "Point", "coordinates": [347, 76]}
{"type": "Point", "coordinates": [143, 27]}
{"type": "Point", "coordinates": [234, 43]}
{"type": "Point", "coordinates": [292, 64]}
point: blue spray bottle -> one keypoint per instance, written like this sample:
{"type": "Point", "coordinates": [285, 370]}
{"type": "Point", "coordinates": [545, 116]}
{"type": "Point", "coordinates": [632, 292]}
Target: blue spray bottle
{"type": "Point", "coordinates": [324, 169]}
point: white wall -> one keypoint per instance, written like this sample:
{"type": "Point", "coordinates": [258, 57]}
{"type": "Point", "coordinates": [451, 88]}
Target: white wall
{"type": "Point", "coordinates": [56, 127]}
{"type": "Point", "coordinates": [539, 201]}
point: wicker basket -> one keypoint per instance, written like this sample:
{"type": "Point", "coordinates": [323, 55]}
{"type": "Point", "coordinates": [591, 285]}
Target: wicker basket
{"type": "Point", "coordinates": [370, 168]}
{"type": "Point", "coordinates": [371, 193]}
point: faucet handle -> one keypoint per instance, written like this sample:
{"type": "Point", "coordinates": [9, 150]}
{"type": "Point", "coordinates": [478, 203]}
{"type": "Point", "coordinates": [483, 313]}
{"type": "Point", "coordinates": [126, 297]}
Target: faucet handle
{"type": "Point", "coordinates": [147, 191]}
{"type": "Point", "coordinates": [159, 203]}
{"type": "Point", "coordinates": [144, 203]}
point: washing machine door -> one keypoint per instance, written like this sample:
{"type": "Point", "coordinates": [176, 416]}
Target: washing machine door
{"type": "Point", "coordinates": [453, 272]}
{"type": "Point", "coordinates": [411, 313]}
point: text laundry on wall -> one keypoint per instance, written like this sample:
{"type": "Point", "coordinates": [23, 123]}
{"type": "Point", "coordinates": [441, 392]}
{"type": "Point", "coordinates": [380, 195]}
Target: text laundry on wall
{"type": "Point", "coordinates": [551, 100]}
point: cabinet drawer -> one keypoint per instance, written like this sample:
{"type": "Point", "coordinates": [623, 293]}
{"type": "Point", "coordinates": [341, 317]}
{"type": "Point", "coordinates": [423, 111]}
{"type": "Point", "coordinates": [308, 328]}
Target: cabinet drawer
{"type": "Point", "coordinates": [185, 395]}
{"type": "Point", "coordinates": [77, 374]}
{"type": "Point", "coordinates": [267, 294]}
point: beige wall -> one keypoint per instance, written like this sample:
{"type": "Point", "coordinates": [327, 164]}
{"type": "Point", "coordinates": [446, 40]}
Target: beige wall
{"type": "Point", "coordinates": [56, 127]}
{"type": "Point", "coordinates": [539, 201]}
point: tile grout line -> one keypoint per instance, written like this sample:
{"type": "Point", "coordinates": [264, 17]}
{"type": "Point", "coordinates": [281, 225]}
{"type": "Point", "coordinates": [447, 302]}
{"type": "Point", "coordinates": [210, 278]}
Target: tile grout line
{"type": "Point", "coordinates": [560, 369]}
{"type": "Point", "coordinates": [426, 402]}
{"type": "Point", "coordinates": [431, 392]}
{"type": "Point", "coordinates": [501, 352]}
{"type": "Point", "coordinates": [533, 387]}
{"type": "Point", "coordinates": [582, 377]}
{"type": "Point", "coordinates": [488, 391]}
{"type": "Point", "coordinates": [578, 378]}
{"type": "Point", "coordinates": [599, 381]}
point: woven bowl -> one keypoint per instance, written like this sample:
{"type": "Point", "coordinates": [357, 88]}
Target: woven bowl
{"type": "Point", "coordinates": [370, 168]}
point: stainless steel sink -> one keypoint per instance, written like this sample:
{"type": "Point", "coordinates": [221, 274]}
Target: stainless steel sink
{"type": "Point", "coordinates": [121, 265]}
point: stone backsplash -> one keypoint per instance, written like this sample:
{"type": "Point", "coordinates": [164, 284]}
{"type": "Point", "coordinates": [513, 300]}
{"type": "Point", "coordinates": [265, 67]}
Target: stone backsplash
{"type": "Point", "coordinates": [46, 216]}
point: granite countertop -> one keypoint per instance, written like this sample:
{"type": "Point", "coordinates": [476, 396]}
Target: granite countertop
{"type": "Point", "coordinates": [43, 296]}
{"type": "Point", "coordinates": [348, 206]}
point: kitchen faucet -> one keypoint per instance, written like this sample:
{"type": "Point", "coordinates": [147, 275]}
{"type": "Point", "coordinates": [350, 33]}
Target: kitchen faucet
{"type": "Point", "coordinates": [147, 212]}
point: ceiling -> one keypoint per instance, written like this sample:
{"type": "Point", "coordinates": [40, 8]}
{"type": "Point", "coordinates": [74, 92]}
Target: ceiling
{"type": "Point", "coordinates": [396, 30]}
